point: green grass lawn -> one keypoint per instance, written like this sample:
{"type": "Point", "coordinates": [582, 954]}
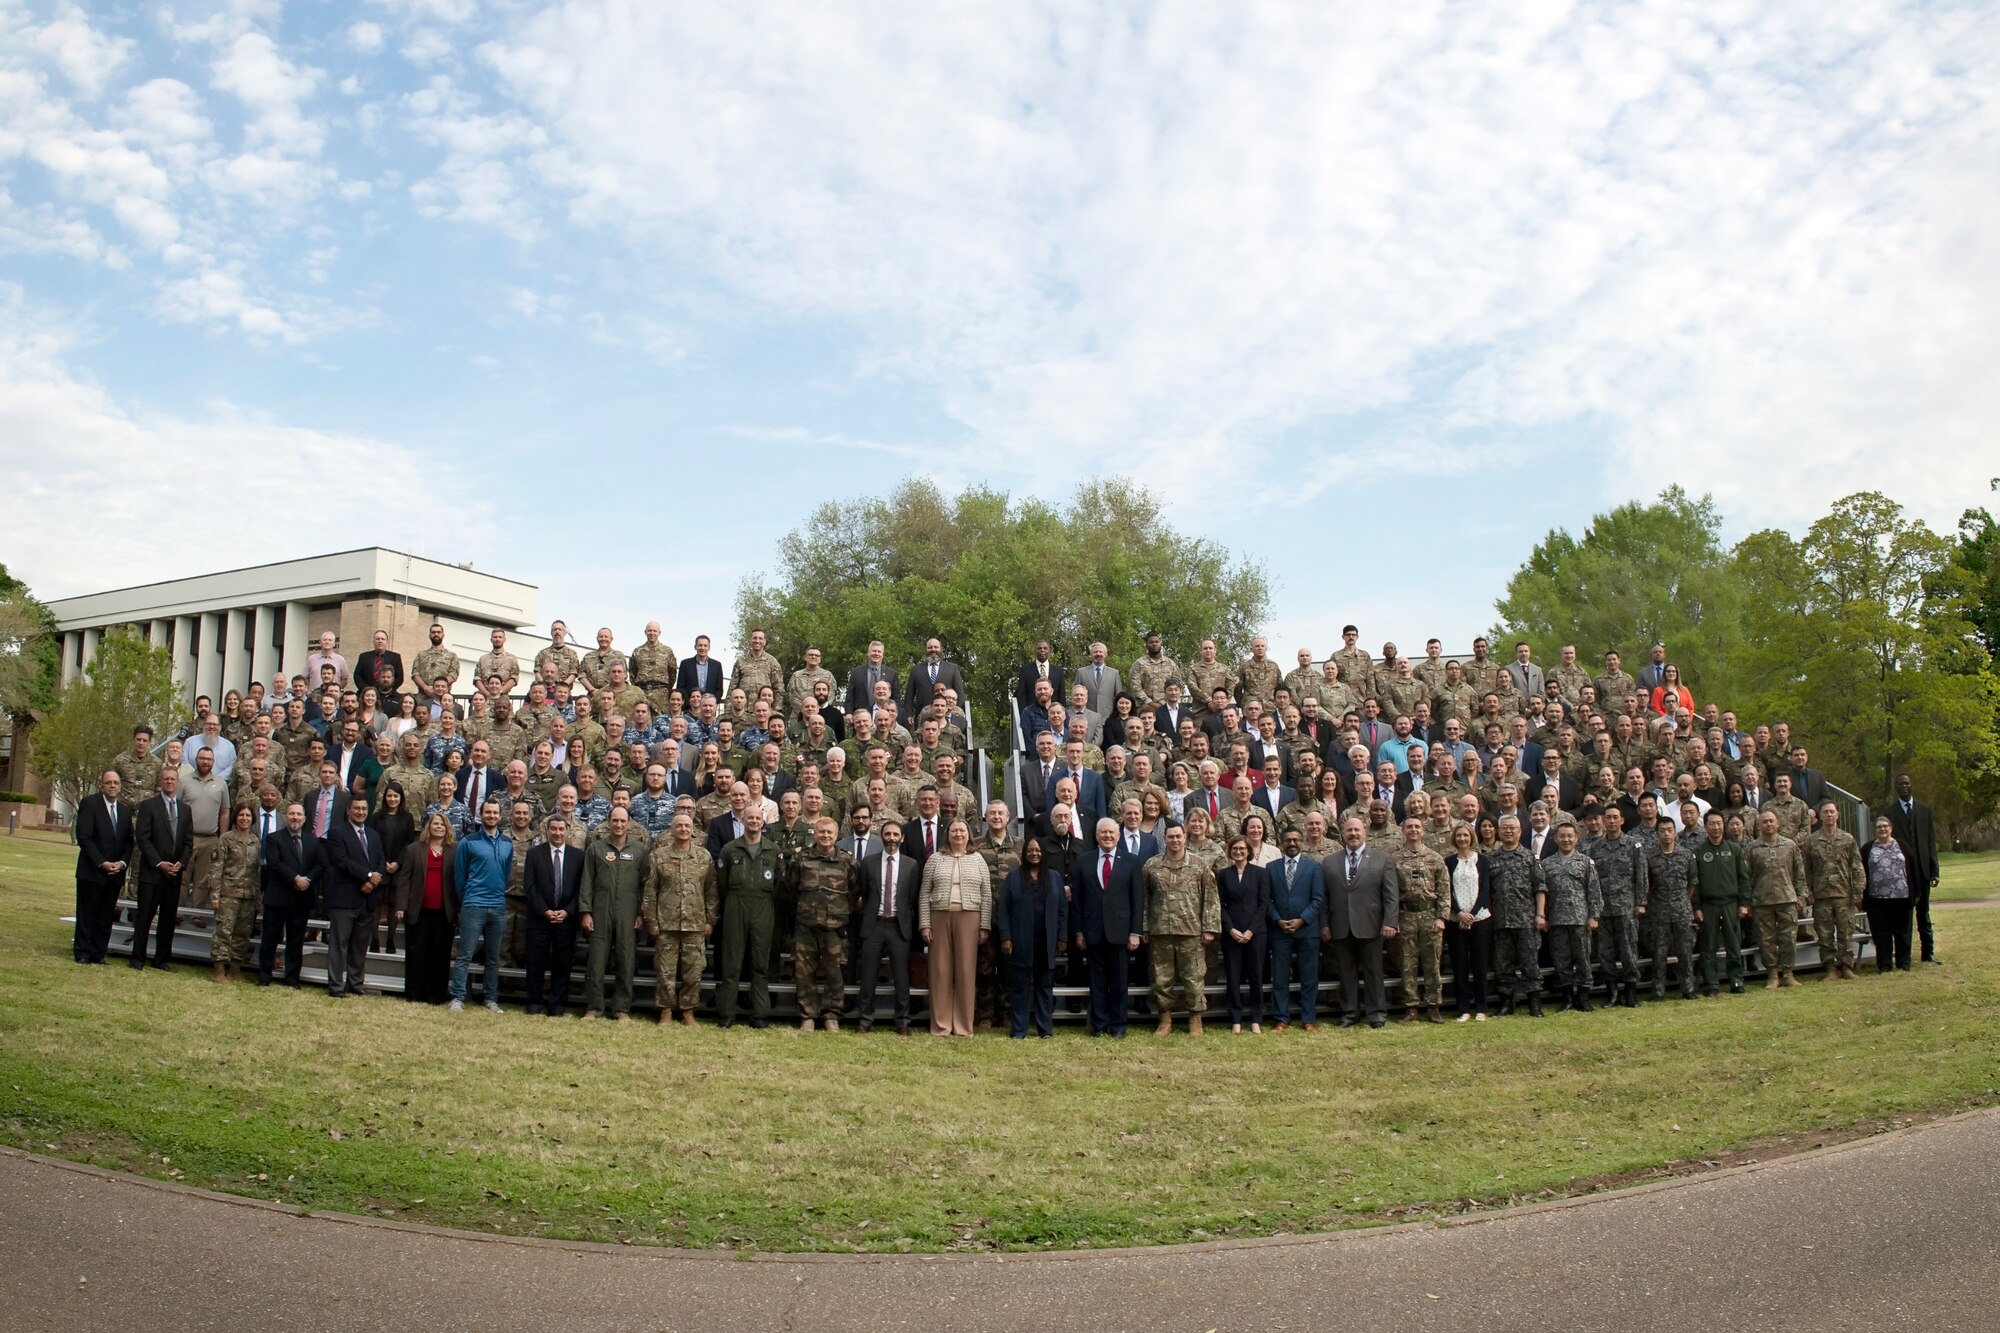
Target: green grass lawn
{"type": "Point", "coordinates": [784, 1140]}
{"type": "Point", "coordinates": [1967, 876]}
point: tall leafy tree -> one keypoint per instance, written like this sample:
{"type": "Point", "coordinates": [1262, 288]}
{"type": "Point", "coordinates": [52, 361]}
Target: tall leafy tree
{"type": "Point", "coordinates": [126, 683]}
{"type": "Point", "coordinates": [1979, 556]}
{"type": "Point", "coordinates": [988, 575]}
{"type": "Point", "coordinates": [30, 650]}
{"type": "Point", "coordinates": [1861, 635]}
{"type": "Point", "coordinates": [1640, 574]}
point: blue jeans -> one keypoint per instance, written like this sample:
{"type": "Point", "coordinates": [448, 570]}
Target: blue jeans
{"type": "Point", "coordinates": [476, 924]}
{"type": "Point", "coordinates": [1300, 949]}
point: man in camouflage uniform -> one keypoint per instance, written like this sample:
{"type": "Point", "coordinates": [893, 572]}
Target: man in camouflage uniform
{"type": "Point", "coordinates": [419, 784]}
{"type": "Point", "coordinates": [827, 888]}
{"type": "Point", "coordinates": [652, 669]}
{"type": "Point", "coordinates": [1183, 916]}
{"type": "Point", "coordinates": [1569, 677]}
{"type": "Point", "coordinates": [800, 687]}
{"type": "Point", "coordinates": [1794, 815]}
{"type": "Point", "coordinates": [1426, 897]}
{"type": "Point", "coordinates": [1205, 675]}
{"type": "Point", "coordinates": [615, 870]}
{"type": "Point", "coordinates": [1621, 877]}
{"type": "Point", "coordinates": [1613, 686]}
{"type": "Point", "coordinates": [520, 831]}
{"type": "Point", "coordinates": [1777, 879]}
{"type": "Point", "coordinates": [499, 663]}
{"type": "Point", "coordinates": [1456, 697]}
{"type": "Point", "coordinates": [1304, 680]}
{"type": "Point", "coordinates": [595, 666]}
{"type": "Point", "coordinates": [1833, 865]}
{"type": "Point", "coordinates": [1150, 674]}
{"type": "Point", "coordinates": [1431, 671]}
{"type": "Point", "coordinates": [1336, 694]}
{"type": "Point", "coordinates": [558, 654]}
{"type": "Point", "coordinates": [1401, 692]}
{"type": "Point", "coordinates": [1482, 673]}
{"type": "Point", "coordinates": [757, 669]}
{"type": "Point", "coordinates": [679, 909]}
{"type": "Point", "coordinates": [1257, 676]}
{"type": "Point", "coordinates": [1670, 881]}
{"type": "Point", "coordinates": [1355, 669]}
{"type": "Point", "coordinates": [295, 737]}
{"type": "Point", "coordinates": [1573, 902]}
{"type": "Point", "coordinates": [653, 808]}
{"type": "Point", "coordinates": [433, 662]}
{"type": "Point", "coordinates": [1519, 917]}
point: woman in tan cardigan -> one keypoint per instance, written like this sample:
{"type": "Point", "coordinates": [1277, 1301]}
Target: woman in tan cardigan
{"type": "Point", "coordinates": [955, 910]}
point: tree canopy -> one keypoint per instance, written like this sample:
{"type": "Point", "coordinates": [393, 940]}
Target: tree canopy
{"type": "Point", "coordinates": [127, 682]}
{"type": "Point", "coordinates": [30, 651]}
{"type": "Point", "coordinates": [988, 575]}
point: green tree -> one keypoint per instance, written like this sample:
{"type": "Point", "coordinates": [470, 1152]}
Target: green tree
{"type": "Point", "coordinates": [1640, 574]}
{"type": "Point", "coordinates": [988, 575]}
{"type": "Point", "coordinates": [1859, 634]}
{"type": "Point", "coordinates": [1979, 556]}
{"type": "Point", "coordinates": [30, 650]}
{"type": "Point", "coordinates": [126, 683]}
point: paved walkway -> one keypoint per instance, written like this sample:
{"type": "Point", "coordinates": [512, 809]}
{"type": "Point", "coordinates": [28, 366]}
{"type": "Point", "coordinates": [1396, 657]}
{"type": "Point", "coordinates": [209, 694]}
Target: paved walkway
{"type": "Point", "coordinates": [1898, 1231]}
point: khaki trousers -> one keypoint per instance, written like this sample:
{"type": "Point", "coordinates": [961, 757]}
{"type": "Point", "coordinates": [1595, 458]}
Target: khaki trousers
{"type": "Point", "coordinates": [954, 971]}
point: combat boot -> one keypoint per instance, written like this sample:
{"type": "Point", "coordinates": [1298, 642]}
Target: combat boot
{"type": "Point", "coordinates": [220, 976]}
{"type": "Point", "coordinates": [1431, 1015]}
{"type": "Point", "coordinates": [1631, 995]}
{"type": "Point", "coordinates": [1535, 1004]}
{"type": "Point", "coordinates": [1787, 979]}
{"type": "Point", "coordinates": [832, 1023]}
{"type": "Point", "coordinates": [666, 1017]}
{"type": "Point", "coordinates": [1166, 1027]}
{"type": "Point", "coordinates": [1194, 1025]}
{"type": "Point", "coordinates": [1583, 1005]}
{"type": "Point", "coordinates": [1409, 1015]}
{"type": "Point", "coordinates": [1771, 979]}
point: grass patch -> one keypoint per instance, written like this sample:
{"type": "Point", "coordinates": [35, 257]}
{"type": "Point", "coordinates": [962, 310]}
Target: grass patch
{"type": "Point", "coordinates": [1967, 877]}
{"type": "Point", "coordinates": [786, 1141]}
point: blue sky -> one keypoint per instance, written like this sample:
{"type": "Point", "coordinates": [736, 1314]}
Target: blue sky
{"type": "Point", "coordinates": [543, 285]}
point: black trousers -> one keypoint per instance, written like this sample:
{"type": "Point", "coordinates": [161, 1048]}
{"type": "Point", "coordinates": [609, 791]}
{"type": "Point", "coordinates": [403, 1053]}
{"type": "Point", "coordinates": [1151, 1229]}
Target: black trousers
{"type": "Point", "coordinates": [551, 955]}
{"type": "Point", "coordinates": [96, 907]}
{"type": "Point", "coordinates": [349, 932]}
{"type": "Point", "coordinates": [876, 941]}
{"type": "Point", "coordinates": [1889, 929]}
{"type": "Point", "coordinates": [1109, 1001]}
{"type": "Point", "coordinates": [1920, 904]}
{"type": "Point", "coordinates": [286, 921]}
{"type": "Point", "coordinates": [1360, 965]}
{"type": "Point", "coordinates": [159, 907]}
{"type": "Point", "coordinates": [1243, 977]}
{"type": "Point", "coordinates": [427, 938]}
{"type": "Point", "coordinates": [1471, 963]}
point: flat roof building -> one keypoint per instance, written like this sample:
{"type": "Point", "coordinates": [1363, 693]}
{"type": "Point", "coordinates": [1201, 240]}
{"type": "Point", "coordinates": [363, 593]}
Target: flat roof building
{"type": "Point", "coordinates": [228, 629]}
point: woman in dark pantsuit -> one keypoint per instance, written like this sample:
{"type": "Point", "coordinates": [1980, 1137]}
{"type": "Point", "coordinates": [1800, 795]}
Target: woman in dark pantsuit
{"type": "Point", "coordinates": [1245, 892]}
{"type": "Point", "coordinates": [1887, 898]}
{"type": "Point", "coordinates": [1468, 932]}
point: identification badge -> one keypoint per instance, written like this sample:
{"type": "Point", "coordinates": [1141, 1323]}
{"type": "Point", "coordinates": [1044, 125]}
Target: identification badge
{"type": "Point", "coordinates": [610, 858]}
{"type": "Point", "coordinates": [767, 874]}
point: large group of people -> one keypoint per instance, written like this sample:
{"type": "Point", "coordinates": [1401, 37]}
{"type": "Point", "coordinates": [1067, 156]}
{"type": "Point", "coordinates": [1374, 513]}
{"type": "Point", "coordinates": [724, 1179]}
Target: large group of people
{"type": "Point", "coordinates": [1468, 821]}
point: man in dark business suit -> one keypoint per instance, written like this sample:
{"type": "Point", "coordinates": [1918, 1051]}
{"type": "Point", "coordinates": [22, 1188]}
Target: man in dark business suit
{"type": "Point", "coordinates": [353, 874]}
{"type": "Point", "coordinates": [1274, 795]}
{"type": "Point", "coordinates": [1363, 898]}
{"type": "Point", "coordinates": [382, 667]}
{"type": "Point", "coordinates": [291, 875]}
{"type": "Point", "coordinates": [1108, 905]}
{"type": "Point", "coordinates": [1042, 668]}
{"type": "Point", "coordinates": [1091, 798]}
{"type": "Point", "coordinates": [103, 850]}
{"type": "Point", "coordinates": [163, 842]}
{"type": "Point", "coordinates": [889, 887]}
{"type": "Point", "coordinates": [1569, 796]}
{"type": "Point", "coordinates": [553, 878]}
{"type": "Point", "coordinates": [700, 674]}
{"type": "Point", "coordinates": [1039, 773]}
{"type": "Point", "coordinates": [929, 672]}
{"type": "Point", "coordinates": [1916, 834]}
{"type": "Point", "coordinates": [478, 779]}
{"type": "Point", "coordinates": [862, 680]}
{"type": "Point", "coordinates": [923, 836]}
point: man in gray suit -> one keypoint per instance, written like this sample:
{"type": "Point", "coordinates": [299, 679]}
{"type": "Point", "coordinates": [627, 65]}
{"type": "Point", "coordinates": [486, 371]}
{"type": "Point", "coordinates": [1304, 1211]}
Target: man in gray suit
{"type": "Point", "coordinates": [1363, 897]}
{"type": "Point", "coordinates": [1100, 680]}
{"type": "Point", "coordinates": [931, 671]}
{"type": "Point", "coordinates": [1528, 679]}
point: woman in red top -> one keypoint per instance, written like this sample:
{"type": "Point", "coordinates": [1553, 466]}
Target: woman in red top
{"type": "Point", "coordinates": [1670, 697]}
{"type": "Point", "coordinates": [427, 904]}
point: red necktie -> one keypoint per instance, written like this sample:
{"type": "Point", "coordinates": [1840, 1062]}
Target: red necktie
{"type": "Point", "coordinates": [1214, 811]}
{"type": "Point", "coordinates": [930, 839]}
{"type": "Point", "coordinates": [1107, 872]}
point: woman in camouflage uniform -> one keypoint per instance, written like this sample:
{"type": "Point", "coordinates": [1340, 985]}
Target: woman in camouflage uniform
{"type": "Point", "coordinates": [239, 865]}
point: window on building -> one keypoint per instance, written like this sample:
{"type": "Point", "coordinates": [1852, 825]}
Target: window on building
{"type": "Point", "coordinates": [278, 627]}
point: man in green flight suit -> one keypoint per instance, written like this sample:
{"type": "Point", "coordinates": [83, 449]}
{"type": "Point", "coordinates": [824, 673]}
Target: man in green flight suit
{"type": "Point", "coordinates": [1721, 902]}
{"type": "Point", "coordinates": [748, 873]}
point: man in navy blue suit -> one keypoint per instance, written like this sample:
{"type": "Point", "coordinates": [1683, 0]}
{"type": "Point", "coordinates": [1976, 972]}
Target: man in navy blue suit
{"type": "Point", "coordinates": [1109, 907]}
{"type": "Point", "coordinates": [353, 875]}
{"type": "Point", "coordinates": [291, 873]}
{"type": "Point", "coordinates": [1298, 897]}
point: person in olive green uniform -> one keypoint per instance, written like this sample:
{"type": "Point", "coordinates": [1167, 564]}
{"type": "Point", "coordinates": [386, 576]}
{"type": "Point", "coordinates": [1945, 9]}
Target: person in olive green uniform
{"type": "Point", "coordinates": [1426, 898]}
{"type": "Point", "coordinates": [1777, 878]}
{"type": "Point", "coordinates": [1722, 900]}
{"type": "Point", "coordinates": [748, 873]}
{"type": "Point", "coordinates": [614, 882]}
{"type": "Point", "coordinates": [827, 887]}
{"type": "Point", "coordinates": [679, 911]}
{"type": "Point", "coordinates": [1833, 863]}
{"type": "Point", "coordinates": [233, 895]}
{"type": "Point", "coordinates": [1183, 916]}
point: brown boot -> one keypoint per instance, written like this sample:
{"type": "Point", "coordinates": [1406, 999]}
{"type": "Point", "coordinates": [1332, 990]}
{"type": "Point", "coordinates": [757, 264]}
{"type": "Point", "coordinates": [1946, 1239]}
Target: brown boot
{"type": "Point", "coordinates": [666, 1017]}
{"type": "Point", "coordinates": [1771, 980]}
{"type": "Point", "coordinates": [1788, 979]}
{"type": "Point", "coordinates": [1166, 1027]}
{"type": "Point", "coordinates": [1431, 1015]}
{"type": "Point", "coordinates": [1194, 1025]}
{"type": "Point", "coordinates": [221, 974]}
{"type": "Point", "coordinates": [1409, 1015]}
{"type": "Point", "coordinates": [235, 972]}
{"type": "Point", "coordinates": [687, 1019]}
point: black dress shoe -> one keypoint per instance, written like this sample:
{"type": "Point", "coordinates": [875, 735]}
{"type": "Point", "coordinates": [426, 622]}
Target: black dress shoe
{"type": "Point", "coordinates": [865, 1025]}
{"type": "Point", "coordinates": [263, 981]}
{"type": "Point", "coordinates": [1736, 988]}
{"type": "Point", "coordinates": [1345, 1022]}
{"type": "Point", "coordinates": [726, 1024]}
{"type": "Point", "coordinates": [759, 1024]}
{"type": "Point", "coordinates": [902, 1029]}
{"type": "Point", "coordinates": [136, 965]}
{"type": "Point", "coordinates": [162, 967]}
{"type": "Point", "coordinates": [1378, 1022]}
{"type": "Point", "coordinates": [1933, 962]}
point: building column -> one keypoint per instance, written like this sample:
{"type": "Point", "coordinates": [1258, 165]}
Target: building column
{"type": "Point", "coordinates": [235, 657]}
{"type": "Point", "coordinates": [263, 653]}
{"type": "Point", "coordinates": [72, 655]}
{"type": "Point", "coordinates": [207, 662]}
{"type": "Point", "coordinates": [298, 639]}
{"type": "Point", "coordinates": [187, 632]}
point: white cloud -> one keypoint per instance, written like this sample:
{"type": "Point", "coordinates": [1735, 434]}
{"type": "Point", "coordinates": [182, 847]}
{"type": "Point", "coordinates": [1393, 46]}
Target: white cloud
{"type": "Point", "coordinates": [273, 90]}
{"type": "Point", "coordinates": [87, 57]}
{"type": "Point", "coordinates": [426, 46]}
{"type": "Point", "coordinates": [365, 37]}
{"type": "Point", "coordinates": [1710, 242]}
{"type": "Point", "coordinates": [85, 465]}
